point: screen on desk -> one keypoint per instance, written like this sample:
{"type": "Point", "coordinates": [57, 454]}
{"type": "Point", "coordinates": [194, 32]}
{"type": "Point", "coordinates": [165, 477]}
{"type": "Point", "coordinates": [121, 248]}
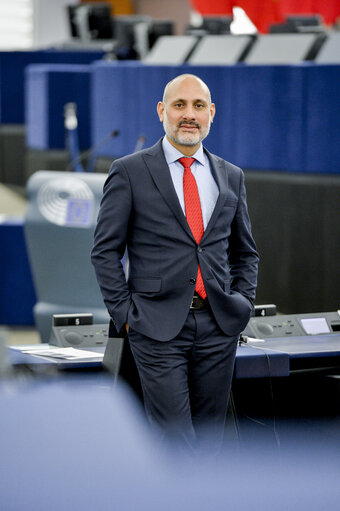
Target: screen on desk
{"type": "Point", "coordinates": [313, 326]}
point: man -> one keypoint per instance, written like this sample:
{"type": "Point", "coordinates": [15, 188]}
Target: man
{"type": "Point", "coordinates": [181, 213]}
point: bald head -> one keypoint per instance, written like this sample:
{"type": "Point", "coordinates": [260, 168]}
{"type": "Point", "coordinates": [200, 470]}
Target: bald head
{"type": "Point", "coordinates": [181, 78]}
{"type": "Point", "coordinates": [186, 112]}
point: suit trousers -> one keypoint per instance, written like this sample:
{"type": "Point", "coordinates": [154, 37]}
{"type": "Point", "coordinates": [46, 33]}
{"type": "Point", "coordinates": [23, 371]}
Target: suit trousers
{"type": "Point", "coordinates": [186, 382]}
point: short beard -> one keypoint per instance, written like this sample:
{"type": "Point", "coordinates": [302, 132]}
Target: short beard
{"type": "Point", "coordinates": [184, 140]}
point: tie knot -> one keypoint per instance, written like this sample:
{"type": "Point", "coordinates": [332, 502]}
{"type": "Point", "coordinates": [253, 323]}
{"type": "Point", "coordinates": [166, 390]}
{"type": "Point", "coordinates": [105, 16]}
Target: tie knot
{"type": "Point", "coordinates": [186, 162]}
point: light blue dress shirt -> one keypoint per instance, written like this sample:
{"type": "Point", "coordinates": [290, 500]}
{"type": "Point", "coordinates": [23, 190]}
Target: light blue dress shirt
{"type": "Point", "coordinates": [207, 187]}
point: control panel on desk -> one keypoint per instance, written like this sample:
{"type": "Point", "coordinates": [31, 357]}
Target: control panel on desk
{"type": "Point", "coordinates": [80, 336]}
{"type": "Point", "coordinates": [294, 324]}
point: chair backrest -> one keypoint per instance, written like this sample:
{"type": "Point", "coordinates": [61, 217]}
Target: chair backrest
{"type": "Point", "coordinates": [59, 226]}
{"type": "Point", "coordinates": [172, 49]}
{"type": "Point", "coordinates": [330, 51]}
{"type": "Point", "coordinates": [281, 48]}
{"type": "Point", "coordinates": [220, 49]}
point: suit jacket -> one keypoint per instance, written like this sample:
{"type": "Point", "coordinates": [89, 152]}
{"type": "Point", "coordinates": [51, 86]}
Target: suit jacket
{"type": "Point", "coordinates": [140, 211]}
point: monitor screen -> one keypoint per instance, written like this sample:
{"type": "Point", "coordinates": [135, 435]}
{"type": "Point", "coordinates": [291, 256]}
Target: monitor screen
{"type": "Point", "coordinates": [91, 21]}
{"type": "Point", "coordinates": [218, 25]}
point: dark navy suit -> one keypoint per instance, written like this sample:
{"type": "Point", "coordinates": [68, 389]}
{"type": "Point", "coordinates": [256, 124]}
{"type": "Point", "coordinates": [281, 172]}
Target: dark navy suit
{"type": "Point", "coordinates": [140, 211]}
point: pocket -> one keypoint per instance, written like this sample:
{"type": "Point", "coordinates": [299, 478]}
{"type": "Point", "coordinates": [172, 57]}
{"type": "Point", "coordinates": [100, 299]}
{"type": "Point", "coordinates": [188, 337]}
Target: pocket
{"type": "Point", "coordinates": [242, 302]}
{"type": "Point", "coordinates": [145, 285]}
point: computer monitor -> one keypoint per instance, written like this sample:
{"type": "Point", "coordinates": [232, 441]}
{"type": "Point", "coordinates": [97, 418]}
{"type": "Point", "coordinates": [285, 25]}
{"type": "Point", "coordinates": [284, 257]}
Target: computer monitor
{"type": "Point", "coordinates": [91, 21]}
{"type": "Point", "coordinates": [136, 34]}
{"type": "Point", "coordinates": [218, 25]}
{"type": "Point", "coordinates": [124, 28]}
{"type": "Point", "coordinates": [298, 24]}
{"type": "Point", "coordinates": [159, 28]}
{"type": "Point", "coordinates": [212, 25]}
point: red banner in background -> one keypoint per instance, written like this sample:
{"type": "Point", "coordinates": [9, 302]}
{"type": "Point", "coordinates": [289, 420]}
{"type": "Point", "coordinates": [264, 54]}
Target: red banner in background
{"type": "Point", "coordinates": [210, 7]}
{"type": "Point", "coordinates": [262, 13]}
{"type": "Point", "coordinates": [329, 9]}
{"type": "Point", "coordinates": [265, 12]}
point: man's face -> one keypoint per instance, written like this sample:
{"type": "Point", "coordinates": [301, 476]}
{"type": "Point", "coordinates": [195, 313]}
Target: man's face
{"type": "Point", "coordinates": [186, 114]}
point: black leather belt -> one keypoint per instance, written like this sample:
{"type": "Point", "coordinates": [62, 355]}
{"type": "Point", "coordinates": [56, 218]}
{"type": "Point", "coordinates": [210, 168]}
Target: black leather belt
{"type": "Point", "coordinates": [198, 303]}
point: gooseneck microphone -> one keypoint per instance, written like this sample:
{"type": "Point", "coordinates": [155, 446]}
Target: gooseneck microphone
{"type": "Point", "coordinates": [71, 127]}
{"type": "Point", "coordinates": [82, 156]}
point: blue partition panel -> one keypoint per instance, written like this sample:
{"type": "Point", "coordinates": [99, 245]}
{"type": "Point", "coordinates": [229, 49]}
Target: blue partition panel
{"type": "Point", "coordinates": [114, 105]}
{"type": "Point", "coordinates": [323, 119]}
{"type": "Point", "coordinates": [258, 111]}
{"type": "Point", "coordinates": [267, 117]}
{"type": "Point", "coordinates": [17, 294]}
{"type": "Point", "coordinates": [48, 88]}
{"type": "Point", "coordinates": [125, 96]}
{"type": "Point", "coordinates": [12, 67]}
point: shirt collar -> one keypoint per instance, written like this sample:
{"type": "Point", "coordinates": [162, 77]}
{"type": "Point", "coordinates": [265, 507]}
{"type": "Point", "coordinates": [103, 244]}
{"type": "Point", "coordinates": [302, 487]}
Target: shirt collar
{"type": "Point", "coordinates": [172, 154]}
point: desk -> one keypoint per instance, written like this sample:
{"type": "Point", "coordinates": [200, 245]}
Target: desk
{"type": "Point", "coordinates": [296, 353]}
{"type": "Point", "coordinates": [313, 352]}
{"type": "Point", "coordinates": [250, 363]}
{"type": "Point", "coordinates": [258, 362]}
{"type": "Point", "coordinates": [275, 357]}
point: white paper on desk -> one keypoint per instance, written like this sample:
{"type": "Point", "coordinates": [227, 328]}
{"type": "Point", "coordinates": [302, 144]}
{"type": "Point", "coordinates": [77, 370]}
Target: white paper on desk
{"type": "Point", "coordinates": [64, 353]}
{"type": "Point", "coordinates": [42, 348]}
{"type": "Point", "coordinates": [314, 326]}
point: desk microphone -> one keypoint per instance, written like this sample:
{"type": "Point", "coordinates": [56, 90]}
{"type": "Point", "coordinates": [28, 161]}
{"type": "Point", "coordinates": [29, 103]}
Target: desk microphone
{"type": "Point", "coordinates": [90, 151]}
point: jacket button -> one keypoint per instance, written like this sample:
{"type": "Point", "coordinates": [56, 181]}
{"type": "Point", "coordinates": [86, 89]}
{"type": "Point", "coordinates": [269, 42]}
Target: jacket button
{"type": "Point", "coordinates": [199, 249]}
{"type": "Point", "coordinates": [192, 281]}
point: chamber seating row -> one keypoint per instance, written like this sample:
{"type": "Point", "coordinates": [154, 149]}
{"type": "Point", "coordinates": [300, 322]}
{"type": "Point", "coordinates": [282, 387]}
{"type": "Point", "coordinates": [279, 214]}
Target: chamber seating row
{"type": "Point", "coordinates": [260, 49]}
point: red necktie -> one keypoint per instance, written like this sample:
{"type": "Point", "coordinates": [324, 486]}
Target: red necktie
{"type": "Point", "coordinates": [193, 213]}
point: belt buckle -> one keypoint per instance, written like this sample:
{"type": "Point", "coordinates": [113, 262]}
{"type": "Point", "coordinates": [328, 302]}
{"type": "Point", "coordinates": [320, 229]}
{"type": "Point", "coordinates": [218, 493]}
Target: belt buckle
{"type": "Point", "coordinates": [194, 305]}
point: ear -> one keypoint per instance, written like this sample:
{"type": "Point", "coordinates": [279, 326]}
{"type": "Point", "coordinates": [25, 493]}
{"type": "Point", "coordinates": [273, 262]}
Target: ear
{"type": "Point", "coordinates": [160, 110]}
{"type": "Point", "coordinates": [212, 112]}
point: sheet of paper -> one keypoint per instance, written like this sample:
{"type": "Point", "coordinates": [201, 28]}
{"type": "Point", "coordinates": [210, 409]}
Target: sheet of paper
{"type": "Point", "coordinates": [61, 353]}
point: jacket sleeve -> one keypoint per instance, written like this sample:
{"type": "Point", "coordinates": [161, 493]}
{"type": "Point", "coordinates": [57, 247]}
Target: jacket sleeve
{"type": "Point", "coordinates": [110, 241]}
{"type": "Point", "coordinates": [243, 257]}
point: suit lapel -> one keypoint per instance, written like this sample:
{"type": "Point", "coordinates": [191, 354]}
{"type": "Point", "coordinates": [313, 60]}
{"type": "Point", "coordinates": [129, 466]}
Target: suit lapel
{"type": "Point", "coordinates": [221, 177]}
{"type": "Point", "coordinates": [159, 170]}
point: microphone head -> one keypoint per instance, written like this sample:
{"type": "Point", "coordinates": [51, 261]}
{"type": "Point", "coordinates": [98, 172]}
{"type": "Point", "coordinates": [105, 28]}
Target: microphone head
{"type": "Point", "coordinates": [114, 133]}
